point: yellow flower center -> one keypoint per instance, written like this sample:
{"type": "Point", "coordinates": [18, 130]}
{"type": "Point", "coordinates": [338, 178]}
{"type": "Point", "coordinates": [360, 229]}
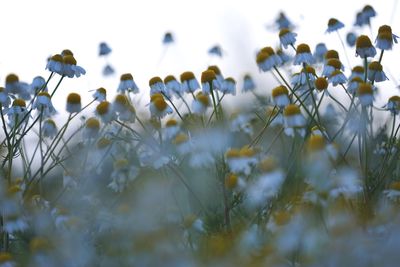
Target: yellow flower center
{"type": "Point", "coordinates": [280, 90]}
{"type": "Point", "coordinates": [385, 29]}
{"type": "Point", "coordinates": [269, 50]}
{"type": "Point", "coordinates": [92, 123]}
{"type": "Point", "coordinates": [102, 91]}
{"type": "Point", "coordinates": [230, 80]}
{"type": "Point", "coordinates": [395, 98]}
{"type": "Point", "coordinates": [231, 180]}
{"type": "Point", "coordinates": [215, 69]}
{"type": "Point", "coordinates": [103, 142]}
{"type": "Point", "coordinates": [363, 41]}
{"type": "Point", "coordinates": [51, 122]}
{"type": "Point", "coordinates": [358, 69]}
{"type": "Point", "coordinates": [5, 257]}
{"type": "Point", "coordinates": [261, 57]}
{"type": "Point", "coordinates": [187, 76]}
{"type": "Point", "coordinates": [395, 185]}
{"type": "Point", "coordinates": [74, 98]}
{"type": "Point", "coordinates": [19, 103]}
{"type": "Point", "coordinates": [321, 83]}
{"type": "Point", "coordinates": [281, 217]}
{"type": "Point", "coordinates": [44, 94]}
{"type": "Point", "coordinates": [69, 60]}
{"type": "Point", "coordinates": [386, 36]}
{"type": "Point", "coordinates": [268, 164]}
{"type": "Point", "coordinates": [232, 153]}
{"type": "Point", "coordinates": [67, 52]}
{"type": "Point", "coordinates": [57, 58]}
{"type": "Point", "coordinates": [121, 163]}
{"type": "Point", "coordinates": [171, 122]}
{"type": "Point", "coordinates": [357, 79]}
{"type": "Point", "coordinates": [291, 109]}
{"type": "Point", "coordinates": [126, 77]}
{"type": "Point", "coordinates": [39, 243]}
{"type": "Point", "coordinates": [160, 104]}
{"type": "Point", "coordinates": [122, 100]}
{"type": "Point", "coordinates": [365, 89]}
{"type": "Point", "coordinates": [169, 78]}
{"type": "Point", "coordinates": [334, 62]}
{"type": "Point", "coordinates": [12, 78]}
{"type": "Point", "coordinates": [155, 80]}
{"type": "Point", "coordinates": [331, 54]}
{"type": "Point", "coordinates": [375, 65]}
{"type": "Point", "coordinates": [103, 108]}
{"type": "Point", "coordinates": [202, 98]}
{"type": "Point", "coordinates": [315, 143]}
{"type": "Point", "coordinates": [283, 32]}
{"type": "Point", "coordinates": [247, 151]}
{"type": "Point", "coordinates": [303, 48]}
{"type": "Point", "coordinates": [208, 76]}
{"type": "Point", "coordinates": [332, 22]}
{"type": "Point", "coordinates": [180, 138]}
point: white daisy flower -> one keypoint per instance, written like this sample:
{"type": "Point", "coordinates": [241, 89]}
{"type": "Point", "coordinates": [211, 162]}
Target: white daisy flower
{"type": "Point", "coordinates": [49, 129]}
{"type": "Point", "coordinates": [127, 84]}
{"type": "Point", "coordinates": [364, 47]}
{"type": "Point", "coordinates": [100, 94]}
{"type": "Point", "coordinates": [303, 55]}
{"type": "Point", "coordinates": [287, 37]}
{"type": "Point", "coordinates": [334, 25]}
{"type": "Point", "coordinates": [248, 83]}
{"type": "Point", "coordinates": [293, 120]}
{"type": "Point", "coordinates": [189, 83]}
{"type": "Point", "coordinates": [43, 105]}
{"type": "Point", "coordinates": [74, 103]}
{"type": "Point", "coordinates": [158, 106]}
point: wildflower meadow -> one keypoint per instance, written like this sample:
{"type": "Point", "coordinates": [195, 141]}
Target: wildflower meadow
{"type": "Point", "coordinates": [302, 171]}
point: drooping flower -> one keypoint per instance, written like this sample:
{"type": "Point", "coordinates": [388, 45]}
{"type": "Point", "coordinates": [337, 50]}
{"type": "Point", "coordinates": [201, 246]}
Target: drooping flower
{"type": "Point", "coordinates": [157, 86]}
{"type": "Point", "coordinates": [100, 94]}
{"type": "Point", "coordinates": [189, 82]}
{"type": "Point", "coordinates": [158, 106]}
{"type": "Point", "coordinates": [267, 59]}
{"type": "Point", "coordinates": [70, 67]}
{"type": "Point", "coordinates": [228, 86]}
{"type": "Point", "coordinates": [127, 84]}
{"type": "Point", "coordinates": [321, 83]}
{"type": "Point", "coordinates": [394, 104]}
{"type": "Point", "coordinates": [124, 109]}
{"type": "Point", "coordinates": [303, 55]}
{"type": "Point", "coordinates": [17, 112]}
{"type": "Point", "coordinates": [287, 37]}
{"type": "Point", "coordinates": [351, 39]}
{"type": "Point", "coordinates": [38, 84]}
{"type": "Point", "coordinates": [365, 94]}
{"type": "Point", "coordinates": [364, 47]}
{"type": "Point", "coordinates": [280, 95]}
{"type": "Point", "coordinates": [215, 50]}
{"type": "Point", "coordinates": [49, 128]}
{"type": "Point", "coordinates": [74, 103]}
{"type": "Point", "coordinates": [337, 77]}
{"type": "Point", "coordinates": [385, 38]}
{"type": "Point", "coordinates": [104, 49]}
{"type": "Point", "coordinates": [375, 72]}
{"type": "Point", "coordinates": [172, 86]}
{"type": "Point", "coordinates": [283, 22]}
{"type": "Point", "coordinates": [331, 65]}
{"type": "Point", "coordinates": [43, 105]}
{"type": "Point", "coordinates": [209, 82]}
{"type": "Point", "coordinates": [201, 103]}
{"type": "Point", "coordinates": [92, 128]}
{"type": "Point", "coordinates": [248, 83]}
{"type": "Point", "coordinates": [334, 25]}
{"type": "Point", "coordinates": [168, 38]}
{"type": "Point", "coordinates": [293, 120]}
{"type": "Point", "coordinates": [124, 172]}
{"type": "Point", "coordinates": [320, 51]}
{"type": "Point", "coordinates": [105, 111]}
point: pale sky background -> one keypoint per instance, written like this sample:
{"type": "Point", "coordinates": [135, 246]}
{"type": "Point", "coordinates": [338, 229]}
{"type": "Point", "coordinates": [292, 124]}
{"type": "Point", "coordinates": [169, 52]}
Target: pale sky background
{"type": "Point", "coordinates": [33, 30]}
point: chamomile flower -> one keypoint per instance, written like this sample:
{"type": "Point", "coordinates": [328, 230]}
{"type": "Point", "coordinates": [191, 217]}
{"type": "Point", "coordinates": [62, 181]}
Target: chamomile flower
{"type": "Point", "coordinates": [242, 160]}
{"type": "Point", "coordinates": [201, 103]}
{"type": "Point", "coordinates": [294, 121]}
{"type": "Point", "coordinates": [209, 82]}
{"type": "Point", "coordinates": [16, 112]}
{"type": "Point", "coordinates": [5, 100]}
{"type": "Point", "coordinates": [242, 122]}
{"type": "Point", "coordinates": [275, 116]}
{"type": "Point", "coordinates": [171, 129]}
{"type": "Point", "coordinates": [168, 38]}
{"type": "Point", "coordinates": [394, 104]}
{"type": "Point", "coordinates": [215, 50]}
{"type": "Point", "coordinates": [375, 72]}
{"type": "Point", "coordinates": [55, 64]}
{"type": "Point", "coordinates": [92, 128]}
{"type": "Point", "coordinates": [38, 84]}
{"type": "Point", "coordinates": [305, 76]}
{"type": "Point", "coordinates": [15, 86]}
{"type": "Point", "coordinates": [332, 65]}
{"type": "Point", "coordinates": [228, 86]}
{"type": "Point", "coordinates": [156, 86]}
{"type": "Point", "coordinates": [351, 39]}
{"type": "Point", "coordinates": [280, 95]}
{"type": "Point", "coordinates": [321, 84]}
{"type": "Point", "coordinates": [357, 71]}
{"type": "Point", "coordinates": [127, 84]}
{"type": "Point", "coordinates": [217, 72]}
{"type": "Point", "coordinates": [6, 260]}
{"type": "Point", "coordinates": [105, 111]}
{"type": "Point", "coordinates": [172, 86]}
{"type": "Point", "coordinates": [353, 84]}
{"type": "Point", "coordinates": [284, 57]}
{"type": "Point", "coordinates": [267, 59]}
{"type": "Point", "coordinates": [104, 49]}
{"type": "Point", "coordinates": [234, 182]}
{"type": "Point", "coordinates": [182, 143]}
{"type": "Point", "coordinates": [74, 103]}
{"type": "Point", "coordinates": [393, 192]}
{"type": "Point", "coordinates": [124, 109]}
{"type": "Point", "coordinates": [248, 83]}
{"type": "Point", "coordinates": [283, 22]}
{"type": "Point", "coordinates": [189, 82]}
{"type": "Point", "coordinates": [331, 54]}
{"type": "Point", "coordinates": [108, 70]}
{"type": "Point", "coordinates": [43, 105]}
{"type": "Point", "coordinates": [303, 55]}
{"type": "Point", "coordinates": [368, 12]}
{"type": "Point", "coordinates": [123, 173]}
{"type": "Point", "coordinates": [365, 94]}
{"type": "Point", "coordinates": [385, 38]}
{"type": "Point", "coordinates": [100, 94]}
{"type": "Point", "coordinates": [70, 67]}
{"type": "Point", "coordinates": [287, 37]}
{"type": "Point", "coordinates": [158, 106]}
{"type": "Point", "coordinates": [337, 77]}
{"type": "Point", "coordinates": [334, 25]}
{"type": "Point", "coordinates": [320, 51]}
{"type": "Point", "coordinates": [267, 185]}
{"type": "Point", "coordinates": [364, 47]}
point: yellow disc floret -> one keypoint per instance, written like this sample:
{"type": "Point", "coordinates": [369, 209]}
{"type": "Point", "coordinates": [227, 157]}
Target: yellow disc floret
{"type": "Point", "coordinates": [291, 109]}
{"type": "Point", "coordinates": [103, 108]}
{"type": "Point", "coordinates": [74, 98]}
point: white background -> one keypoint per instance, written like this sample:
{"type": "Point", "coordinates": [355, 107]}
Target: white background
{"type": "Point", "coordinates": [33, 30]}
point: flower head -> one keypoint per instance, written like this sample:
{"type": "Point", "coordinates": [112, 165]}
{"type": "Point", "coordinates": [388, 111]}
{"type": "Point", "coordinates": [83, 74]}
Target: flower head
{"type": "Point", "coordinates": [283, 22]}
{"type": "Point", "coordinates": [394, 104]}
{"type": "Point", "coordinates": [38, 84]}
{"type": "Point", "coordinates": [105, 111]}
{"type": "Point", "coordinates": [293, 120]}
{"type": "Point", "coordinates": [127, 84]}
{"type": "Point", "coordinates": [74, 103]}
{"type": "Point", "coordinates": [287, 37]}
{"type": "Point", "coordinates": [334, 25]}
{"type": "Point", "coordinates": [351, 39]}
{"type": "Point", "coordinates": [70, 67]}
{"type": "Point", "coordinates": [321, 83]}
{"type": "Point", "coordinates": [248, 83]}
{"type": "Point", "coordinates": [320, 51]}
{"type": "Point", "coordinates": [267, 59]}
{"type": "Point", "coordinates": [228, 86]}
{"type": "Point", "coordinates": [43, 104]}
{"type": "Point", "coordinates": [124, 109]}
{"type": "Point", "coordinates": [158, 106]}
{"type": "Point", "coordinates": [201, 103]}
{"type": "Point", "coordinates": [331, 65]}
{"type": "Point", "coordinates": [215, 50]}
{"type": "Point", "coordinates": [385, 38]}
{"type": "Point", "coordinates": [303, 55]}
{"type": "Point", "coordinates": [156, 85]}
{"type": "Point", "coordinates": [168, 38]}
{"type": "Point", "coordinates": [280, 96]}
{"type": "Point", "coordinates": [365, 94]}
{"type": "Point", "coordinates": [92, 128]}
{"type": "Point", "coordinates": [209, 81]}
{"type": "Point", "coordinates": [104, 49]}
{"type": "Point", "coordinates": [49, 128]}
{"type": "Point", "coordinates": [375, 72]}
{"type": "Point", "coordinates": [100, 94]}
{"type": "Point", "coordinates": [337, 77]}
{"type": "Point", "coordinates": [364, 47]}
{"type": "Point", "coordinates": [172, 86]}
{"type": "Point", "coordinates": [189, 82]}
